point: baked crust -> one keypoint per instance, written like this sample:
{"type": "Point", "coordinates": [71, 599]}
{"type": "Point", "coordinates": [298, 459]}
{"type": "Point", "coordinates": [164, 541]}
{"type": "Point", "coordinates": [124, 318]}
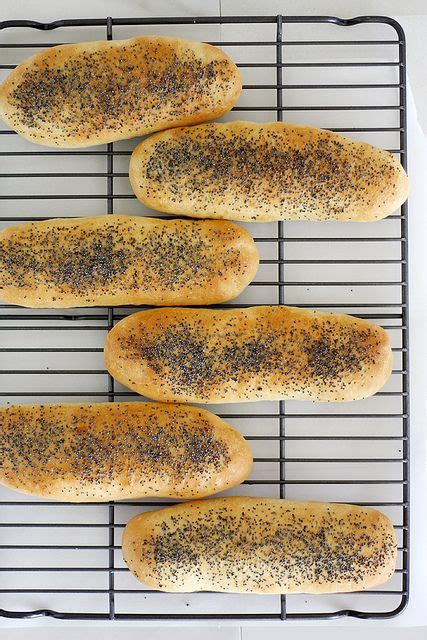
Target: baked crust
{"type": "Point", "coordinates": [115, 451]}
{"type": "Point", "coordinates": [77, 95]}
{"type": "Point", "coordinates": [260, 545]}
{"type": "Point", "coordinates": [272, 171]}
{"type": "Point", "coordinates": [256, 353]}
{"type": "Point", "coordinates": [118, 260]}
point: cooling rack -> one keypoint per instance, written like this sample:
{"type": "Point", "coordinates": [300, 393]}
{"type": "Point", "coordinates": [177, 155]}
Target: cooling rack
{"type": "Point", "coordinates": [64, 560]}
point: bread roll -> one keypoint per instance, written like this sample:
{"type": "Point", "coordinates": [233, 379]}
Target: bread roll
{"type": "Point", "coordinates": [77, 95]}
{"type": "Point", "coordinates": [260, 545]}
{"type": "Point", "coordinates": [108, 451]}
{"type": "Point", "coordinates": [115, 260]}
{"type": "Point", "coordinates": [275, 171]}
{"type": "Point", "coordinates": [259, 353]}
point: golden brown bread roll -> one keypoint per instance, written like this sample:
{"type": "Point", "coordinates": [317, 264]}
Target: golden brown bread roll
{"type": "Point", "coordinates": [115, 260]}
{"type": "Point", "coordinates": [76, 95]}
{"type": "Point", "coordinates": [108, 451]}
{"type": "Point", "coordinates": [274, 171]}
{"type": "Point", "coordinates": [260, 545]}
{"type": "Point", "coordinates": [259, 353]}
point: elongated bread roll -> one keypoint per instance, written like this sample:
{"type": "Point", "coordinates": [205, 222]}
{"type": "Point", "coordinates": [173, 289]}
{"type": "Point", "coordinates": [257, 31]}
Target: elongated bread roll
{"type": "Point", "coordinates": [260, 545]}
{"type": "Point", "coordinates": [107, 451]}
{"type": "Point", "coordinates": [114, 260]}
{"type": "Point", "coordinates": [274, 171]}
{"type": "Point", "coordinates": [76, 95]}
{"type": "Point", "coordinates": [260, 353]}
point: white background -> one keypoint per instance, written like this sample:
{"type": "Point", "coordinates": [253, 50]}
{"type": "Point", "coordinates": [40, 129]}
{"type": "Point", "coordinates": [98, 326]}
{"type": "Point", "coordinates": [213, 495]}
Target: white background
{"type": "Point", "coordinates": [412, 14]}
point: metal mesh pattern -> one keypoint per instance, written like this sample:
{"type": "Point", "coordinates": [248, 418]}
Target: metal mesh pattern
{"type": "Point", "coordinates": [346, 75]}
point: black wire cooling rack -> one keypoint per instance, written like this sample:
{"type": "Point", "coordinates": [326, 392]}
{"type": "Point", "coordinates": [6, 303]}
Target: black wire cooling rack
{"type": "Point", "coordinates": [64, 560]}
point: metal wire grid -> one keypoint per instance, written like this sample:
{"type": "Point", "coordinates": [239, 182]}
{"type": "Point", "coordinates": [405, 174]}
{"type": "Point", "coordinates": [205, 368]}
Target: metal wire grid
{"type": "Point", "coordinates": [49, 550]}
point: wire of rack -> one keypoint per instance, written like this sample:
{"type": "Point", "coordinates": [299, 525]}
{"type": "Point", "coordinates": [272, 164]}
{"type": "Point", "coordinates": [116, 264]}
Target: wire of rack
{"type": "Point", "coordinates": [63, 560]}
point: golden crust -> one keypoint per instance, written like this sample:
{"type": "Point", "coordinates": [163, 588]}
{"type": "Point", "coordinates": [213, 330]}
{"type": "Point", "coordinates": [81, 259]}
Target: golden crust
{"type": "Point", "coordinates": [77, 95]}
{"type": "Point", "coordinates": [116, 260]}
{"type": "Point", "coordinates": [272, 171]}
{"type": "Point", "coordinates": [259, 353]}
{"type": "Point", "coordinates": [260, 545]}
{"type": "Point", "coordinates": [115, 451]}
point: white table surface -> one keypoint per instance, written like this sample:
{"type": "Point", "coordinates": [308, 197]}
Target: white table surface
{"type": "Point", "coordinates": [412, 14]}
